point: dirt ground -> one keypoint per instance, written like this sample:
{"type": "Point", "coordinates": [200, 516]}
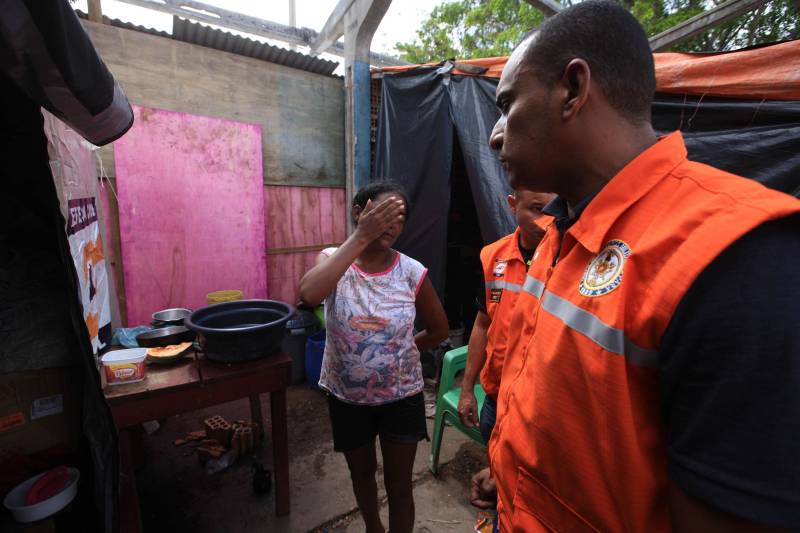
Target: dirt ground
{"type": "Point", "coordinates": [177, 494]}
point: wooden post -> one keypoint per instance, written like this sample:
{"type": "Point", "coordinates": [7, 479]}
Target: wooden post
{"type": "Point", "coordinates": [360, 22]}
{"type": "Point", "coordinates": [292, 14]}
{"type": "Point", "coordinates": [292, 20]}
{"type": "Point", "coordinates": [256, 416]}
{"type": "Point", "coordinates": [280, 449]}
{"type": "Point", "coordinates": [95, 11]}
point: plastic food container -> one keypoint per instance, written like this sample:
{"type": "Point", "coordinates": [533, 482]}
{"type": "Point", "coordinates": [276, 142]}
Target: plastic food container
{"type": "Point", "coordinates": [125, 366]}
{"type": "Point", "coordinates": [15, 500]}
{"type": "Point", "coordinates": [218, 297]}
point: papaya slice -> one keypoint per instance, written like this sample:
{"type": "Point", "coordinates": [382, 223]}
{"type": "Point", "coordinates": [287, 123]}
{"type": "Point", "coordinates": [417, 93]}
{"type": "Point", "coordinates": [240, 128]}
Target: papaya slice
{"type": "Point", "coordinates": [169, 351]}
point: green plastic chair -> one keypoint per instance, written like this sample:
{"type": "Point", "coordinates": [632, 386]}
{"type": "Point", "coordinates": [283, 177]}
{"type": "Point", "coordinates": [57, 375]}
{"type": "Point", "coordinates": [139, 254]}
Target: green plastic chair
{"type": "Point", "coordinates": [447, 405]}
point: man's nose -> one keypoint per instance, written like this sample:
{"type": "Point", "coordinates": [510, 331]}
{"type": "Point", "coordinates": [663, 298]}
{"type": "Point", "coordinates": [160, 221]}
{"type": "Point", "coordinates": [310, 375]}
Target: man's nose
{"type": "Point", "coordinates": [496, 137]}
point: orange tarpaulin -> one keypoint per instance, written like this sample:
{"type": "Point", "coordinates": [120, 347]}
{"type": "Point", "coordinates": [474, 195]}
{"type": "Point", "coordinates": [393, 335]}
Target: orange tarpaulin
{"type": "Point", "coordinates": [769, 72]}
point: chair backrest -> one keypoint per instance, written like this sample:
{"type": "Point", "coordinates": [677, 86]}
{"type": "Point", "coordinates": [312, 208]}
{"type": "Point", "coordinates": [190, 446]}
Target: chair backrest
{"type": "Point", "coordinates": [454, 362]}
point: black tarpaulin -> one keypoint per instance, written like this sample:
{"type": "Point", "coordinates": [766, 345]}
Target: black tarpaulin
{"type": "Point", "coordinates": [418, 154]}
{"type": "Point", "coordinates": [422, 114]}
{"type": "Point", "coordinates": [425, 110]}
{"type": "Point", "coordinates": [486, 177]}
{"type": "Point", "coordinates": [755, 139]}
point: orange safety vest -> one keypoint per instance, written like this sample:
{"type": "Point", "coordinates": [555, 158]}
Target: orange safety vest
{"type": "Point", "coordinates": [504, 273]}
{"type": "Point", "coordinates": [579, 443]}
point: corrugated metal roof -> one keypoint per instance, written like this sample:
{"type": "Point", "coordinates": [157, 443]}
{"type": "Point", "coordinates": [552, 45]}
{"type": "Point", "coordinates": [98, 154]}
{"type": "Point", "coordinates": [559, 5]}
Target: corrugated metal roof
{"type": "Point", "coordinates": [193, 33]}
{"type": "Point", "coordinates": [127, 25]}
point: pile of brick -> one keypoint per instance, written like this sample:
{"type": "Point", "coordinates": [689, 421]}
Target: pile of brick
{"type": "Point", "coordinates": [244, 438]}
{"type": "Point", "coordinates": [221, 436]}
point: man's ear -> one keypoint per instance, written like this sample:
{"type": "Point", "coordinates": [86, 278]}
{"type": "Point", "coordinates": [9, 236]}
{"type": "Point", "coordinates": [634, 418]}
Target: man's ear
{"type": "Point", "coordinates": [355, 213]}
{"type": "Point", "coordinates": [577, 79]}
{"type": "Point", "coordinates": [512, 203]}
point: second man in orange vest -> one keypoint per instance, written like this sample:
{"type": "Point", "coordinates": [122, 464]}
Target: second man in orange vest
{"type": "Point", "coordinates": [504, 265]}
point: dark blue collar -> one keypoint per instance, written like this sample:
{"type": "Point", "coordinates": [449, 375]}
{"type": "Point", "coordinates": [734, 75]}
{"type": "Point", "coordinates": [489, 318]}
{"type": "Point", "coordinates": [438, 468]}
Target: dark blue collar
{"type": "Point", "coordinates": [559, 209]}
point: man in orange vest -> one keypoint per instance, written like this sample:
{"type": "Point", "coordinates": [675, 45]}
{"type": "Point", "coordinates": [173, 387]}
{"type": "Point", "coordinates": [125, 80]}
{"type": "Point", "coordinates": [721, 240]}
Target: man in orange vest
{"type": "Point", "coordinates": [504, 263]}
{"type": "Point", "coordinates": [652, 376]}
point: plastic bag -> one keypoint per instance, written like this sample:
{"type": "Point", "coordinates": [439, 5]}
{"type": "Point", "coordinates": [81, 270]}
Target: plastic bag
{"type": "Point", "coordinates": [127, 336]}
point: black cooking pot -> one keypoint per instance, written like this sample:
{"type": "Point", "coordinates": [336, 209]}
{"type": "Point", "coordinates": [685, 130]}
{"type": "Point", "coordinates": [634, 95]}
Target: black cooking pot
{"type": "Point", "coordinates": [242, 330]}
{"type": "Point", "coordinates": [166, 336]}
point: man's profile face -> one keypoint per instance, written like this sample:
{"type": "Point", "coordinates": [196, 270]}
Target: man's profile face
{"type": "Point", "coordinates": [524, 135]}
{"type": "Point", "coordinates": [526, 207]}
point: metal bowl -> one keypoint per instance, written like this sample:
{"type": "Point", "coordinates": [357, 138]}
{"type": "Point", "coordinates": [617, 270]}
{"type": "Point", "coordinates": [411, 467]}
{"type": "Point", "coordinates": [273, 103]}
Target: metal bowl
{"type": "Point", "coordinates": [171, 317]}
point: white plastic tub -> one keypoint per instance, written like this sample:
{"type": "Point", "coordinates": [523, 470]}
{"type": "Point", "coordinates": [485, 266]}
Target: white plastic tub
{"type": "Point", "coordinates": [125, 366]}
{"type": "Point", "coordinates": [15, 500]}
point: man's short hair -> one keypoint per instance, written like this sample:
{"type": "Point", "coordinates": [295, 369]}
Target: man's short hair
{"type": "Point", "coordinates": [611, 41]}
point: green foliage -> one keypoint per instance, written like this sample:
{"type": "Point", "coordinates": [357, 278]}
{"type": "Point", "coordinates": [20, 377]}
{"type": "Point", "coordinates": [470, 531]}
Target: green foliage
{"type": "Point", "coordinates": [774, 21]}
{"type": "Point", "coordinates": [467, 29]}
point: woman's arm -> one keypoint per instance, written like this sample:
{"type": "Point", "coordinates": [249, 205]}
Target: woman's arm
{"type": "Point", "coordinates": [431, 312]}
{"type": "Point", "coordinates": [321, 280]}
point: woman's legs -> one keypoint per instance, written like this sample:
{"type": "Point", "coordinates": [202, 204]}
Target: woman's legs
{"type": "Point", "coordinates": [398, 465]}
{"type": "Point", "coordinates": [363, 465]}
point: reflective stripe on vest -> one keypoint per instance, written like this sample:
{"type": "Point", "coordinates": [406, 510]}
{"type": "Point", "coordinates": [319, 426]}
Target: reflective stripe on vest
{"type": "Point", "coordinates": [607, 337]}
{"type": "Point", "coordinates": [505, 285]}
{"type": "Point", "coordinates": [533, 286]}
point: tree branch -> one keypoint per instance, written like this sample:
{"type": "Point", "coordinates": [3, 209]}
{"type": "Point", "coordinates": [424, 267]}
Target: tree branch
{"type": "Point", "coordinates": [754, 23]}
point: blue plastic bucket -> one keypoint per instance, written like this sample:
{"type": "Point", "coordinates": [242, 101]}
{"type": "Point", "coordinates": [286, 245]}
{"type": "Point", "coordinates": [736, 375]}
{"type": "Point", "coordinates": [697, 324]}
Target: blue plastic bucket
{"type": "Point", "coordinates": [315, 348]}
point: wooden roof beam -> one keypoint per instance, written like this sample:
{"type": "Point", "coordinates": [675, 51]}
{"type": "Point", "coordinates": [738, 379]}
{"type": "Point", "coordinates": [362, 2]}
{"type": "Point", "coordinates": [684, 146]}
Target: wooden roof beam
{"type": "Point", "coordinates": [202, 12]}
{"type": "Point", "coordinates": [548, 7]}
{"type": "Point", "coordinates": [702, 22]}
{"type": "Point", "coordinates": [333, 29]}
{"type": "Point", "coordinates": [95, 11]}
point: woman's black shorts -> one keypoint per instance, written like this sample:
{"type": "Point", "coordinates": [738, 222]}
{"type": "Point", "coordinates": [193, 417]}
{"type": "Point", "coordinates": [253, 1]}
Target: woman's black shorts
{"type": "Point", "coordinates": [357, 425]}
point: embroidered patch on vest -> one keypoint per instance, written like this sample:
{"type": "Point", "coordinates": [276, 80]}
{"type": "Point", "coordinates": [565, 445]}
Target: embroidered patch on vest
{"type": "Point", "coordinates": [604, 273]}
{"type": "Point", "coordinates": [500, 267]}
{"type": "Point", "coordinates": [495, 295]}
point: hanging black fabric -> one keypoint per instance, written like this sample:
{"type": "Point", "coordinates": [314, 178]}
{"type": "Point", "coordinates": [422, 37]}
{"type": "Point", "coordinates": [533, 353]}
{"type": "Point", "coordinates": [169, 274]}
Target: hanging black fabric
{"type": "Point", "coordinates": [758, 140]}
{"type": "Point", "coordinates": [419, 113]}
{"type": "Point", "coordinates": [421, 108]}
{"type": "Point", "coordinates": [474, 113]}
{"type": "Point", "coordinates": [48, 60]}
{"type": "Point", "coordinates": [47, 54]}
{"type": "Point", "coordinates": [414, 147]}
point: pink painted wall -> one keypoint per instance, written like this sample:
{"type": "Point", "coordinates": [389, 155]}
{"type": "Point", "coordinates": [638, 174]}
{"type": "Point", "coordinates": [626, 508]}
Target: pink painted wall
{"type": "Point", "coordinates": [286, 270]}
{"type": "Point", "coordinates": [191, 209]}
{"type": "Point", "coordinates": [300, 217]}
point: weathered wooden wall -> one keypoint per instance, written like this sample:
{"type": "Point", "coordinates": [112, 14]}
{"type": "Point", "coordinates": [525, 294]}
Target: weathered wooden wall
{"type": "Point", "coordinates": [112, 248]}
{"type": "Point", "coordinates": [300, 221]}
{"type": "Point", "coordinates": [301, 114]}
{"type": "Point", "coordinates": [302, 121]}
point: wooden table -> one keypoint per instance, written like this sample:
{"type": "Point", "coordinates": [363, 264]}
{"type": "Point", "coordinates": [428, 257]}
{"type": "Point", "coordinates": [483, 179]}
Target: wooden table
{"type": "Point", "coordinates": [196, 383]}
